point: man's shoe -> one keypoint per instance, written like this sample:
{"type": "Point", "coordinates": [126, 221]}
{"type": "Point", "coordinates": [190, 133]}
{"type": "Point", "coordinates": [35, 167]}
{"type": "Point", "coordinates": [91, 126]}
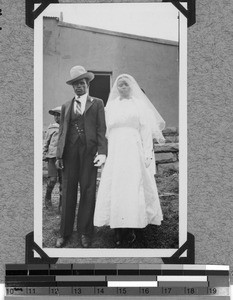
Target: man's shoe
{"type": "Point", "coordinates": [85, 241]}
{"type": "Point", "coordinates": [61, 242]}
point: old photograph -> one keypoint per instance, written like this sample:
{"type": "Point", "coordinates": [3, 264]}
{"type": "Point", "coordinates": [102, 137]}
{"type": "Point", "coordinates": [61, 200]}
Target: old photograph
{"type": "Point", "coordinates": [110, 97]}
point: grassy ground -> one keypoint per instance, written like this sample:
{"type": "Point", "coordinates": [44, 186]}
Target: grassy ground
{"type": "Point", "coordinates": [164, 236]}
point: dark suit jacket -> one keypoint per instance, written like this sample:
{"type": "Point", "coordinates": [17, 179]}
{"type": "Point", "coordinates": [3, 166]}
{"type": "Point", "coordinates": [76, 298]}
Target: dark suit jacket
{"type": "Point", "coordinates": [94, 123]}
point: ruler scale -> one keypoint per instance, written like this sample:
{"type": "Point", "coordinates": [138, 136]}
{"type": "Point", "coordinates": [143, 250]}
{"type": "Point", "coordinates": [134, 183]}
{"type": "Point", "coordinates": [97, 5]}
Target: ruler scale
{"type": "Point", "coordinates": [120, 280]}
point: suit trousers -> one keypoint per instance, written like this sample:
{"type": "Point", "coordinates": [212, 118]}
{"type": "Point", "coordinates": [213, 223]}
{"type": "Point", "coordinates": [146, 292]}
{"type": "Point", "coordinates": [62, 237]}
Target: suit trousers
{"type": "Point", "coordinates": [78, 169]}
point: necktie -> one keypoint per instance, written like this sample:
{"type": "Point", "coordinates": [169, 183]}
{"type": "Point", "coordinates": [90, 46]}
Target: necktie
{"type": "Point", "coordinates": [78, 107]}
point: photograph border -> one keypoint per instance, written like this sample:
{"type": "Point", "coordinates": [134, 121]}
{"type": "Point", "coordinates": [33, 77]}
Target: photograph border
{"type": "Point", "coordinates": [38, 141]}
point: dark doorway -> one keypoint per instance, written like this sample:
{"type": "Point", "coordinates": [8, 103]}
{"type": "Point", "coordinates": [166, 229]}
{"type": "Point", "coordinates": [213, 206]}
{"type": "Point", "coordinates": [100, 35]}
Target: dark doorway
{"type": "Point", "coordinates": [100, 85]}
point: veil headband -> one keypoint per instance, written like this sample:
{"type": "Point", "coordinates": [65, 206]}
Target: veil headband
{"type": "Point", "coordinates": [148, 110]}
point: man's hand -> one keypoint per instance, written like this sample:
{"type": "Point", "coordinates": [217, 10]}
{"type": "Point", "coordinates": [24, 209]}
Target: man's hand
{"type": "Point", "coordinates": [59, 163]}
{"type": "Point", "coordinates": [99, 160]}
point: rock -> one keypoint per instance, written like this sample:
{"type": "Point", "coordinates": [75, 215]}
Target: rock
{"type": "Point", "coordinates": [169, 168]}
{"type": "Point", "coordinates": [169, 184]}
{"type": "Point", "coordinates": [171, 131]}
{"type": "Point", "coordinates": [165, 157]}
{"type": "Point", "coordinates": [171, 147]}
{"type": "Point", "coordinates": [172, 139]}
{"type": "Point", "coordinates": [168, 196]}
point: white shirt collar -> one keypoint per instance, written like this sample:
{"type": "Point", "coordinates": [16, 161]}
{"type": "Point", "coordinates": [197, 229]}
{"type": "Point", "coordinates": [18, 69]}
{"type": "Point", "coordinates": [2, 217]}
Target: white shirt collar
{"type": "Point", "coordinates": [81, 98]}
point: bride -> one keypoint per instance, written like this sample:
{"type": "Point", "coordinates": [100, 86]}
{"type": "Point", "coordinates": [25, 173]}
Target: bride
{"type": "Point", "coordinates": [127, 197]}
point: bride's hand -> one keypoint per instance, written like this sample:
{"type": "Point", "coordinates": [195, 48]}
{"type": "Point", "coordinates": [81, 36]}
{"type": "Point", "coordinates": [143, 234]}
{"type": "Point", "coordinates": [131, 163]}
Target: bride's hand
{"type": "Point", "coordinates": [148, 161]}
{"type": "Point", "coordinates": [161, 141]}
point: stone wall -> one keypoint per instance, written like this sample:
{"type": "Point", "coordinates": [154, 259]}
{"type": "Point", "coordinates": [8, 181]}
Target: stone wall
{"type": "Point", "coordinates": [167, 166]}
{"type": "Point", "coordinates": [167, 156]}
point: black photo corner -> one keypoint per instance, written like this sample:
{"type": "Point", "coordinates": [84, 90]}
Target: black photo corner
{"type": "Point", "coordinates": [31, 14]}
{"type": "Point", "coordinates": [30, 247]}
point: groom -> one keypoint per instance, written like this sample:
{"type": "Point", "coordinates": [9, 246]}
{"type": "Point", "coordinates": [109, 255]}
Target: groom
{"type": "Point", "coordinates": [82, 147]}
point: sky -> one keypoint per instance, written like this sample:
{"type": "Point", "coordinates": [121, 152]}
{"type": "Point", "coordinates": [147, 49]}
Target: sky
{"type": "Point", "coordinates": [157, 20]}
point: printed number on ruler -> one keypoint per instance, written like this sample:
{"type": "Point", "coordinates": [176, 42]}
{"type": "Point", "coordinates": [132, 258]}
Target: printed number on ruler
{"type": "Point", "coordinates": [145, 291]}
{"type": "Point", "coordinates": [121, 291]}
{"type": "Point", "coordinates": [212, 291]}
{"type": "Point", "coordinates": [166, 291]}
{"type": "Point", "coordinates": [54, 291]}
{"type": "Point", "coordinates": [190, 291]}
{"type": "Point", "coordinates": [77, 291]}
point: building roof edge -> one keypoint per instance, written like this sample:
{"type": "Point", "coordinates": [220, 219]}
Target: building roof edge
{"type": "Point", "coordinates": [116, 33]}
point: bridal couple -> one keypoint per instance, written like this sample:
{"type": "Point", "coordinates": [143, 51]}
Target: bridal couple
{"type": "Point", "coordinates": [119, 137]}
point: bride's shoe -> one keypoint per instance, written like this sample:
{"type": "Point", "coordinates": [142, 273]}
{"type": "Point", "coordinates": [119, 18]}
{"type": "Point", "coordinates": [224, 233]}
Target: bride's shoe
{"type": "Point", "coordinates": [131, 237]}
{"type": "Point", "coordinates": [118, 237]}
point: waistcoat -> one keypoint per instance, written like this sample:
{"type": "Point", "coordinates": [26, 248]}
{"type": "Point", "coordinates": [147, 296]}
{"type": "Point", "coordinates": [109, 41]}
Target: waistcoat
{"type": "Point", "coordinates": [76, 127]}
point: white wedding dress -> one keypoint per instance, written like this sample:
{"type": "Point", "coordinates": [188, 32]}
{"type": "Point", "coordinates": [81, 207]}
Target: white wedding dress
{"type": "Point", "coordinates": [127, 195]}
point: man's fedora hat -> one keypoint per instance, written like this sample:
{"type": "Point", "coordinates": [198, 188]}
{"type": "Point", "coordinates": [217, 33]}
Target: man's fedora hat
{"type": "Point", "coordinates": [77, 73]}
{"type": "Point", "coordinates": [56, 110]}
